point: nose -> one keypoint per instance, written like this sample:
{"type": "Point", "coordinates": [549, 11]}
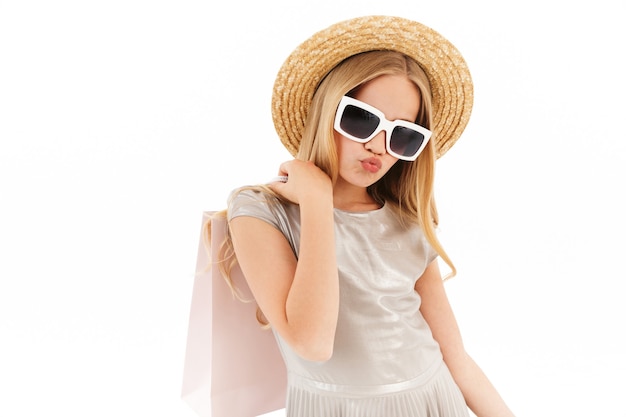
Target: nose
{"type": "Point", "coordinates": [376, 145]}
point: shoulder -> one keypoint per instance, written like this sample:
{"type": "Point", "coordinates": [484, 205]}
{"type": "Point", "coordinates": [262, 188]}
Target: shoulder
{"type": "Point", "coordinates": [245, 199]}
{"type": "Point", "coordinates": [261, 204]}
{"type": "Point", "coordinates": [258, 202]}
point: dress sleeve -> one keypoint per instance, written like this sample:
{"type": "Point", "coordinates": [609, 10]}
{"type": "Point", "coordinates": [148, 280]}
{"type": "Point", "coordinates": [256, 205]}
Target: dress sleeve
{"type": "Point", "coordinates": [253, 203]}
{"type": "Point", "coordinates": [260, 205]}
{"type": "Point", "coordinates": [431, 253]}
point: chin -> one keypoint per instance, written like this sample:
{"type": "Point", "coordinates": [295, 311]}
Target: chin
{"type": "Point", "coordinates": [365, 181]}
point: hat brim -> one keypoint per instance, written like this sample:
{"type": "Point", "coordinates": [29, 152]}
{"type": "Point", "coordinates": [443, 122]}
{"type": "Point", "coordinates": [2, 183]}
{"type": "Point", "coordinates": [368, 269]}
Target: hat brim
{"type": "Point", "coordinates": [447, 72]}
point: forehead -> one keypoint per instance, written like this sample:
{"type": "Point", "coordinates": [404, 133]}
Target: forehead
{"type": "Point", "coordinates": [395, 95]}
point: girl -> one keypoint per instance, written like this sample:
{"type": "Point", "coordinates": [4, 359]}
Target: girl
{"type": "Point", "coordinates": [340, 254]}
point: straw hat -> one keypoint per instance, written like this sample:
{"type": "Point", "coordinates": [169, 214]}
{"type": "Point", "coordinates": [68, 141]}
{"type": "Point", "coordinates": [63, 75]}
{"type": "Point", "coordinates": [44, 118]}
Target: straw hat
{"type": "Point", "coordinates": [449, 77]}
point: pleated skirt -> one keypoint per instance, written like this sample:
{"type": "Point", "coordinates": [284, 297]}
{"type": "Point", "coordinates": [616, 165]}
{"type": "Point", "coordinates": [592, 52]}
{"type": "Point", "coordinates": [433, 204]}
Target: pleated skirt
{"type": "Point", "coordinates": [432, 395]}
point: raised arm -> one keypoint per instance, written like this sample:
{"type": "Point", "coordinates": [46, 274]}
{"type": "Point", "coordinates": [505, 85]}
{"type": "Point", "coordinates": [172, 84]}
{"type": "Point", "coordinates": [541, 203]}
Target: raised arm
{"type": "Point", "coordinates": [300, 298]}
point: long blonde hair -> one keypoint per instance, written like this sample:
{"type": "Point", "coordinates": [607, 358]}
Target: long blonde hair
{"type": "Point", "coordinates": [408, 187]}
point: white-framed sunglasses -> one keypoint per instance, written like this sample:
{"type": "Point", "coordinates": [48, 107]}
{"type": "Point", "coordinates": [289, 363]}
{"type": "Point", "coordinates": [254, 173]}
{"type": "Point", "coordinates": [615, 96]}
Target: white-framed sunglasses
{"type": "Point", "coordinates": [360, 122]}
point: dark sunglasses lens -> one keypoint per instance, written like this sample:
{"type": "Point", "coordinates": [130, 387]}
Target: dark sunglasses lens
{"type": "Point", "coordinates": [358, 122]}
{"type": "Point", "coordinates": [405, 141]}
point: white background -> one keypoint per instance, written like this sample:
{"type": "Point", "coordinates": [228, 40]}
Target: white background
{"type": "Point", "coordinates": [121, 121]}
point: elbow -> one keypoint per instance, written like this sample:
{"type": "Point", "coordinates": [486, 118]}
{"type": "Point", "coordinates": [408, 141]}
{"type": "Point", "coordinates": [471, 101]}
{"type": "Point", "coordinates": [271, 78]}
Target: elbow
{"type": "Point", "coordinates": [314, 350]}
{"type": "Point", "coordinates": [313, 354]}
{"type": "Point", "coordinates": [312, 340]}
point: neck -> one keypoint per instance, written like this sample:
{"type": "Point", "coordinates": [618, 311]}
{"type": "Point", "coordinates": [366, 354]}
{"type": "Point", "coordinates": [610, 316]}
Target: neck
{"type": "Point", "coordinates": [348, 197]}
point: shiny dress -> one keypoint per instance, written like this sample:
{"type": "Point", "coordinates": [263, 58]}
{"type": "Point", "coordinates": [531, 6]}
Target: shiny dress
{"type": "Point", "coordinates": [385, 361]}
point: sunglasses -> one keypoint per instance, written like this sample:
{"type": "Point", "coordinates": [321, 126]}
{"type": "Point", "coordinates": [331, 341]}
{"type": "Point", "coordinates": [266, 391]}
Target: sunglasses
{"type": "Point", "coordinates": [360, 122]}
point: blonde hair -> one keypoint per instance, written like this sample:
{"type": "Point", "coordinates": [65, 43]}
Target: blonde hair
{"type": "Point", "coordinates": [408, 187]}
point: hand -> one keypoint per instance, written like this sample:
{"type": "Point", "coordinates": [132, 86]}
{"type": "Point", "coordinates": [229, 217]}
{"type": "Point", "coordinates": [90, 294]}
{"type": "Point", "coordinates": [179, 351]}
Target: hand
{"type": "Point", "coordinates": [306, 181]}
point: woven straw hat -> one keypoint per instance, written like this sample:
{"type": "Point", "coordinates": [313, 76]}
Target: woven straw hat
{"type": "Point", "coordinates": [298, 78]}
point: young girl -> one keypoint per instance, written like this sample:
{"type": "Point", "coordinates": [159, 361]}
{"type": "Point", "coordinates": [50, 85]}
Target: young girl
{"type": "Point", "coordinates": [341, 253]}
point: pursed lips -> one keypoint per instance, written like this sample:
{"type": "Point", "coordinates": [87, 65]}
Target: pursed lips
{"type": "Point", "coordinates": [372, 164]}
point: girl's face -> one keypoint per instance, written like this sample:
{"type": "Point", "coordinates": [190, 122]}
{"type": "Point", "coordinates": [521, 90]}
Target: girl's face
{"type": "Point", "coordinates": [362, 164]}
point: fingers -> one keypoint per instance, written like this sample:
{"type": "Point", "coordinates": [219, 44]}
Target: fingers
{"type": "Point", "coordinates": [280, 178]}
{"type": "Point", "coordinates": [282, 174]}
{"type": "Point", "coordinates": [278, 183]}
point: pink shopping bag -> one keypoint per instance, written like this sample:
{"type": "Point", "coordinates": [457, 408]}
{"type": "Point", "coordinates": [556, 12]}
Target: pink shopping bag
{"type": "Point", "coordinates": [233, 367]}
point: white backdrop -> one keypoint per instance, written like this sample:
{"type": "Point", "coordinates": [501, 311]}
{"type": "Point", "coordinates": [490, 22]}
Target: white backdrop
{"type": "Point", "coordinates": [121, 121]}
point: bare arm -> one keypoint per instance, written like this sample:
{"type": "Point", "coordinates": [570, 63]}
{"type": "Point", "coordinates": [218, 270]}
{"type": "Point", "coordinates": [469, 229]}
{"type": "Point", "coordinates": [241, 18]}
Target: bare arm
{"type": "Point", "coordinates": [300, 298]}
{"type": "Point", "coordinates": [480, 395]}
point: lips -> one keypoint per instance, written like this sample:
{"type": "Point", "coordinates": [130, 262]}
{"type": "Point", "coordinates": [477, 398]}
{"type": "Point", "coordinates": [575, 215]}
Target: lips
{"type": "Point", "coordinates": [372, 164]}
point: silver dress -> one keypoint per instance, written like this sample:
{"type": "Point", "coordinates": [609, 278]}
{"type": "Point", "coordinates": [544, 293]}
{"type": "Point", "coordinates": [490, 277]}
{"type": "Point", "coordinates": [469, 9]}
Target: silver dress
{"type": "Point", "coordinates": [385, 361]}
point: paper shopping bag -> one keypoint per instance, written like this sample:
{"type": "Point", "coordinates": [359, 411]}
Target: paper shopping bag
{"type": "Point", "coordinates": [233, 367]}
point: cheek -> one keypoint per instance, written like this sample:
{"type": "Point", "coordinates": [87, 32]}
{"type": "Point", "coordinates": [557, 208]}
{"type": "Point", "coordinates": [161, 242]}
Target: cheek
{"type": "Point", "coordinates": [345, 146]}
{"type": "Point", "coordinates": [388, 163]}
